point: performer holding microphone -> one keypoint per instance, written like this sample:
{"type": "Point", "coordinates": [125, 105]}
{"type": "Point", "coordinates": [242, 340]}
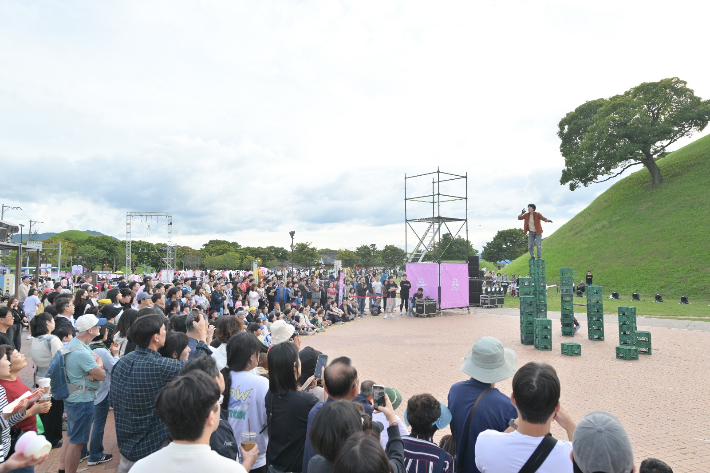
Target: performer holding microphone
{"type": "Point", "coordinates": [533, 228]}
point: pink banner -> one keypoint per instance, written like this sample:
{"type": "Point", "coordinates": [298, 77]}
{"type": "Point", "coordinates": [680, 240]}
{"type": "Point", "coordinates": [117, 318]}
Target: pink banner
{"type": "Point", "coordinates": [454, 285]}
{"type": "Point", "coordinates": [426, 276]}
{"type": "Point", "coordinates": [341, 288]}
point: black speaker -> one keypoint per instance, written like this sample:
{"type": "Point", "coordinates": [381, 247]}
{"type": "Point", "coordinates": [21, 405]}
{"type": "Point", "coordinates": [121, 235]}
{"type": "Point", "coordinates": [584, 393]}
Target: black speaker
{"type": "Point", "coordinates": [473, 266]}
{"type": "Point", "coordinates": [425, 308]}
{"type": "Point", "coordinates": [481, 274]}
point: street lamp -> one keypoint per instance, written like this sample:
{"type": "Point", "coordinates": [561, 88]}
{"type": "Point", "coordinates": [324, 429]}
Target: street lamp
{"type": "Point", "coordinates": [373, 249]}
{"type": "Point", "coordinates": [292, 233]}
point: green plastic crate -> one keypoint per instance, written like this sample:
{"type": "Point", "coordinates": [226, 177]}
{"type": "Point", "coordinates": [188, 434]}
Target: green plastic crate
{"type": "Point", "coordinates": [627, 311]}
{"type": "Point", "coordinates": [527, 301]}
{"type": "Point", "coordinates": [541, 299]}
{"type": "Point", "coordinates": [567, 332]}
{"type": "Point", "coordinates": [567, 291]}
{"type": "Point", "coordinates": [566, 282]}
{"type": "Point", "coordinates": [595, 311]}
{"type": "Point", "coordinates": [595, 334]}
{"type": "Point", "coordinates": [527, 323]}
{"type": "Point", "coordinates": [644, 348]}
{"type": "Point", "coordinates": [595, 300]}
{"type": "Point", "coordinates": [543, 323]}
{"type": "Point", "coordinates": [541, 309]}
{"type": "Point", "coordinates": [544, 346]}
{"type": "Point", "coordinates": [626, 331]}
{"type": "Point", "coordinates": [567, 306]}
{"type": "Point", "coordinates": [526, 291]}
{"type": "Point", "coordinates": [627, 353]}
{"type": "Point", "coordinates": [594, 291]}
{"type": "Point", "coordinates": [627, 340]}
{"type": "Point", "coordinates": [567, 320]}
{"type": "Point", "coordinates": [642, 336]}
{"type": "Point", "coordinates": [569, 324]}
{"type": "Point", "coordinates": [528, 312]}
{"type": "Point", "coordinates": [522, 282]}
{"type": "Point", "coordinates": [595, 318]}
{"type": "Point", "coordinates": [536, 263]}
{"type": "Point", "coordinates": [566, 272]}
{"type": "Point", "coordinates": [567, 298]}
{"type": "Point", "coordinates": [571, 349]}
{"type": "Point", "coordinates": [526, 339]}
{"type": "Point", "coordinates": [627, 320]}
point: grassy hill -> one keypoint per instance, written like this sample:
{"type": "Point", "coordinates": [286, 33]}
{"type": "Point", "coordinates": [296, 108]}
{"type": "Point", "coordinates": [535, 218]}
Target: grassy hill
{"type": "Point", "coordinates": [73, 235]}
{"type": "Point", "coordinates": [639, 239]}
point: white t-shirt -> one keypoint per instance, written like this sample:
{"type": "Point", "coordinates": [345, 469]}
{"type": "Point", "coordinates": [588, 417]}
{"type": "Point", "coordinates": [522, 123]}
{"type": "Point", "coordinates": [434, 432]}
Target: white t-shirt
{"type": "Point", "coordinates": [247, 404]}
{"type": "Point", "coordinates": [376, 287]}
{"type": "Point", "coordinates": [184, 458]}
{"type": "Point", "coordinates": [253, 299]}
{"type": "Point", "coordinates": [507, 453]}
{"type": "Point", "coordinates": [378, 416]}
{"type": "Point", "coordinates": [31, 304]}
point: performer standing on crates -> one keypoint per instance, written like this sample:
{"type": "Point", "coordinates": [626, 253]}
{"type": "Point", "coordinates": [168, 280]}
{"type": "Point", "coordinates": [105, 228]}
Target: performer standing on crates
{"type": "Point", "coordinates": [533, 228]}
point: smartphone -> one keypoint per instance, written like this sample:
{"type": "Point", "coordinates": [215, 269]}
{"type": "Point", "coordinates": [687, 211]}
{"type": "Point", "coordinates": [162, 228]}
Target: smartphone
{"type": "Point", "coordinates": [322, 361]}
{"type": "Point", "coordinates": [378, 395]}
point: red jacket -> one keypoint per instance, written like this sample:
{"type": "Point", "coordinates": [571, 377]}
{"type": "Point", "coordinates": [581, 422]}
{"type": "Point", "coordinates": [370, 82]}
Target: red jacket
{"type": "Point", "coordinates": [536, 220]}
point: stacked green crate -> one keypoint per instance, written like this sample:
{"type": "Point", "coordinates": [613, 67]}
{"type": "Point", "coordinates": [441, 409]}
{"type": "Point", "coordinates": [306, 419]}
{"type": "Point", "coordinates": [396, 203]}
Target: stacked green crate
{"type": "Point", "coordinates": [536, 269]}
{"type": "Point", "coordinates": [571, 349]}
{"type": "Point", "coordinates": [643, 342]}
{"type": "Point", "coordinates": [543, 334]}
{"type": "Point", "coordinates": [567, 296]}
{"type": "Point", "coordinates": [595, 313]}
{"type": "Point", "coordinates": [627, 326]}
{"type": "Point", "coordinates": [528, 309]}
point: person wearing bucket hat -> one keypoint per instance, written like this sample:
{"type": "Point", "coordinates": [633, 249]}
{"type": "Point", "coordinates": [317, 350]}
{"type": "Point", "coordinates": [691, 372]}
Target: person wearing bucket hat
{"type": "Point", "coordinates": [528, 445]}
{"type": "Point", "coordinates": [601, 444]}
{"type": "Point", "coordinates": [281, 332]}
{"type": "Point", "coordinates": [425, 415]}
{"type": "Point", "coordinates": [487, 363]}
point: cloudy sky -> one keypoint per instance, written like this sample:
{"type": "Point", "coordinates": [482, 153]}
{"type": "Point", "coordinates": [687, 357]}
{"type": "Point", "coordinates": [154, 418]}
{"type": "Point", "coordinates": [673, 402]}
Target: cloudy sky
{"type": "Point", "coordinates": [248, 119]}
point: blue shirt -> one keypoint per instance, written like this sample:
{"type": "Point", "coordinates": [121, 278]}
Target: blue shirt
{"type": "Point", "coordinates": [78, 365]}
{"type": "Point", "coordinates": [494, 411]}
{"type": "Point", "coordinates": [197, 347]}
{"type": "Point", "coordinates": [137, 379]}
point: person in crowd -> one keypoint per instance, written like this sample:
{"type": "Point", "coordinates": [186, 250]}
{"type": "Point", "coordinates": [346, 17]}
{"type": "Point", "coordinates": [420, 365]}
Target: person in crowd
{"type": "Point", "coordinates": [23, 290]}
{"type": "Point", "coordinates": [44, 346]}
{"type": "Point", "coordinates": [145, 301]}
{"type": "Point", "coordinates": [80, 302]}
{"type": "Point", "coordinates": [199, 333]}
{"type": "Point", "coordinates": [6, 322]}
{"type": "Point", "coordinates": [286, 407]}
{"type": "Point", "coordinates": [225, 329]}
{"type": "Point", "coordinates": [245, 393]}
{"type": "Point", "coordinates": [175, 346]}
{"type": "Point", "coordinates": [32, 303]}
{"type": "Point", "coordinates": [158, 300]}
{"type": "Point", "coordinates": [404, 287]}
{"type": "Point", "coordinates": [137, 379]}
{"type": "Point", "coordinates": [391, 296]}
{"type": "Point", "coordinates": [120, 335]}
{"type": "Point", "coordinates": [340, 382]}
{"type": "Point", "coordinates": [396, 399]}
{"type": "Point", "coordinates": [653, 465]}
{"type": "Point", "coordinates": [536, 395]}
{"type": "Point", "coordinates": [361, 291]}
{"type": "Point", "coordinates": [426, 415]}
{"type": "Point", "coordinates": [601, 444]}
{"type": "Point", "coordinates": [487, 363]}
{"type": "Point", "coordinates": [65, 314]}
{"type": "Point", "coordinates": [331, 427]}
{"type": "Point", "coordinates": [363, 453]}
{"type": "Point", "coordinates": [533, 228]}
{"type": "Point", "coordinates": [19, 321]}
{"type": "Point", "coordinates": [418, 296]}
{"type": "Point", "coordinates": [189, 407]}
{"type": "Point", "coordinates": [95, 450]}
{"type": "Point", "coordinates": [589, 277]}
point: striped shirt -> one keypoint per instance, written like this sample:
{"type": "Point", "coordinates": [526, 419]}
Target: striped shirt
{"type": "Point", "coordinates": [5, 425]}
{"type": "Point", "coordinates": [421, 455]}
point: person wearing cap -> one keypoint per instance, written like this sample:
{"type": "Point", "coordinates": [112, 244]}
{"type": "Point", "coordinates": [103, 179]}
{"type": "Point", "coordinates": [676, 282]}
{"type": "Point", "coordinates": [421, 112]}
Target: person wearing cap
{"type": "Point", "coordinates": [487, 363]}
{"type": "Point", "coordinates": [425, 415]}
{"type": "Point", "coordinates": [396, 399]}
{"type": "Point", "coordinates": [601, 444]}
{"type": "Point", "coordinates": [85, 369]}
{"type": "Point", "coordinates": [145, 301]}
{"type": "Point", "coordinates": [536, 395]}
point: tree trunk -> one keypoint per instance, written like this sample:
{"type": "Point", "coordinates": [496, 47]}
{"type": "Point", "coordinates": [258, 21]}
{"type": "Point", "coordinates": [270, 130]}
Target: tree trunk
{"type": "Point", "coordinates": [656, 178]}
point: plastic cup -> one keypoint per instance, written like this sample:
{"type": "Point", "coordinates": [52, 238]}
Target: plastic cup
{"type": "Point", "coordinates": [37, 447]}
{"type": "Point", "coordinates": [248, 440]}
{"type": "Point", "coordinates": [44, 384]}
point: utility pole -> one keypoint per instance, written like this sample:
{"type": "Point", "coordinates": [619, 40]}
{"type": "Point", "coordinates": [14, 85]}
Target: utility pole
{"type": "Point", "coordinates": [29, 234]}
{"type": "Point", "coordinates": [2, 213]}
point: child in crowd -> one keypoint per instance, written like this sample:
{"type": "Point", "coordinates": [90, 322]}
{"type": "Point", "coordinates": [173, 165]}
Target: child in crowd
{"type": "Point", "coordinates": [64, 334]}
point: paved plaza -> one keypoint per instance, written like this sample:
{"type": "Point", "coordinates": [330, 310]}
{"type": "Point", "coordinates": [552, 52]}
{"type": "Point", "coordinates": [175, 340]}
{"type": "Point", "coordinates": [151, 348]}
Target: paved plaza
{"type": "Point", "coordinates": [662, 399]}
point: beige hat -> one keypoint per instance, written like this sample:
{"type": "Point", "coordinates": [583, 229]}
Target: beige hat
{"type": "Point", "coordinates": [281, 332]}
{"type": "Point", "coordinates": [489, 362]}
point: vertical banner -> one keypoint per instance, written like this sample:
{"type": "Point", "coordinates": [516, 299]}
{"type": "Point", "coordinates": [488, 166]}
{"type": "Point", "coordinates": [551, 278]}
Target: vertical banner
{"type": "Point", "coordinates": [426, 276]}
{"type": "Point", "coordinates": [341, 288]}
{"type": "Point", "coordinates": [454, 285]}
{"type": "Point", "coordinates": [255, 271]}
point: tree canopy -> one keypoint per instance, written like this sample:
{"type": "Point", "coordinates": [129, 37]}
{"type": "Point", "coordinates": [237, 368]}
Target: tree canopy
{"type": "Point", "coordinates": [506, 245]}
{"type": "Point", "coordinates": [604, 137]}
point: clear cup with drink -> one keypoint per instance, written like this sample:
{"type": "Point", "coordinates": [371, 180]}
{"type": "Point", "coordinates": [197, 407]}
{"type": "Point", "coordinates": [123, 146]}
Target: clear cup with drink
{"type": "Point", "coordinates": [248, 440]}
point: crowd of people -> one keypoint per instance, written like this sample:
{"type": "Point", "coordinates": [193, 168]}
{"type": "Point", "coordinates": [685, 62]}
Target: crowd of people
{"type": "Point", "coordinates": [211, 374]}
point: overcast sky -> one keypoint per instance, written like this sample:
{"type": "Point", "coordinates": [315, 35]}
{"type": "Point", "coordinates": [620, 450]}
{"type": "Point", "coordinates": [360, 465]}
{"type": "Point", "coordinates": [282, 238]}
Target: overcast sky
{"type": "Point", "coordinates": [248, 119]}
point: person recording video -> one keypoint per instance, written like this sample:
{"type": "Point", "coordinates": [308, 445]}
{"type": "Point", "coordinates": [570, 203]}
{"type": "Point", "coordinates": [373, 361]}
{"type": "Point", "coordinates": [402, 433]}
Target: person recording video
{"type": "Point", "coordinates": [533, 228]}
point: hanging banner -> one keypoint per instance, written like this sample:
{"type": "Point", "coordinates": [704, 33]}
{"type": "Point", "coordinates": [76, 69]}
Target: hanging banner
{"type": "Point", "coordinates": [454, 285]}
{"type": "Point", "coordinates": [255, 271]}
{"type": "Point", "coordinates": [426, 276]}
{"type": "Point", "coordinates": [341, 289]}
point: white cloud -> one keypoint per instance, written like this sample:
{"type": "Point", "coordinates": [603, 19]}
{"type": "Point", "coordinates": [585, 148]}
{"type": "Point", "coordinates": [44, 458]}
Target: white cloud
{"type": "Point", "coordinates": [250, 119]}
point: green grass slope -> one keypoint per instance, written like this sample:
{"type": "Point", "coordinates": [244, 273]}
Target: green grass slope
{"type": "Point", "coordinates": [73, 235]}
{"type": "Point", "coordinates": [640, 239]}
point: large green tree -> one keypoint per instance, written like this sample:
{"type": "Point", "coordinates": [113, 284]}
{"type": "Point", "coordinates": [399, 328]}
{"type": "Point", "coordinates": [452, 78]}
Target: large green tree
{"type": "Point", "coordinates": [305, 254]}
{"type": "Point", "coordinates": [364, 255]}
{"type": "Point", "coordinates": [506, 245]}
{"type": "Point", "coordinates": [89, 256]}
{"type": "Point", "coordinates": [348, 258]}
{"type": "Point", "coordinates": [604, 137]}
{"type": "Point", "coordinates": [393, 257]}
{"type": "Point", "coordinates": [451, 249]}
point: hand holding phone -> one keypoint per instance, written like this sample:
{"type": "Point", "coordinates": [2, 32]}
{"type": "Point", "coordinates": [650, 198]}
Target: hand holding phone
{"type": "Point", "coordinates": [378, 396]}
{"type": "Point", "coordinates": [322, 361]}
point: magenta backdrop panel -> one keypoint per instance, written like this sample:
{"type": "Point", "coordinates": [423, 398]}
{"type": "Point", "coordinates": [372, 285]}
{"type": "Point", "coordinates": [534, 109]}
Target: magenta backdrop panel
{"type": "Point", "coordinates": [426, 276]}
{"type": "Point", "coordinates": [454, 285]}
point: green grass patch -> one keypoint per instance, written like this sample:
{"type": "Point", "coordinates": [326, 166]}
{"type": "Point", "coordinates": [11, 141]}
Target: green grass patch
{"type": "Point", "coordinates": [639, 239]}
{"type": "Point", "coordinates": [73, 235]}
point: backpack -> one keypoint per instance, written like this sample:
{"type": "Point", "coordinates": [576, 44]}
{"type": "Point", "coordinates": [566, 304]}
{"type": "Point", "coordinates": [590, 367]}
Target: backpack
{"type": "Point", "coordinates": [57, 373]}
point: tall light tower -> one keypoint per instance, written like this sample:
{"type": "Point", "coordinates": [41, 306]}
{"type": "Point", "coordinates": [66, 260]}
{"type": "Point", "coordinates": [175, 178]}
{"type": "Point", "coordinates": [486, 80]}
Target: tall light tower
{"type": "Point", "coordinates": [292, 233]}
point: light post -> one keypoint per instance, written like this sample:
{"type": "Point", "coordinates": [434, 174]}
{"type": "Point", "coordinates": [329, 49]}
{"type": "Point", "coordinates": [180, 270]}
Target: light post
{"type": "Point", "coordinates": [292, 233]}
{"type": "Point", "coordinates": [373, 248]}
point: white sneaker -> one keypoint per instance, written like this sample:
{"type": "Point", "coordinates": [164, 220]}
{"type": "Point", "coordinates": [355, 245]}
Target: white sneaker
{"type": "Point", "coordinates": [29, 337]}
{"type": "Point", "coordinates": [400, 312]}
{"type": "Point", "coordinates": [385, 315]}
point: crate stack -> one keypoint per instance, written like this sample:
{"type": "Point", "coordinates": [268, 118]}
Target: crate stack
{"type": "Point", "coordinates": [567, 296]}
{"type": "Point", "coordinates": [543, 334]}
{"type": "Point", "coordinates": [631, 341]}
{"type": "Point", "coordinates": [528, 309]}
{"type": "Point", "coordinates": [595, 313]}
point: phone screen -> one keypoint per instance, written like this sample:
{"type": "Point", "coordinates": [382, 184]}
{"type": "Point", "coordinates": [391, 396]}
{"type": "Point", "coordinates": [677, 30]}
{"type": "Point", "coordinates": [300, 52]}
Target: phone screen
{"type": "Point", "coordinates": [322, 360]}
{"type": "Point", "coordinates": [378, 394]}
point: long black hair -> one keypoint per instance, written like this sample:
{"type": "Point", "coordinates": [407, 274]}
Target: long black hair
{"type": "Point", "coordinates": [283, 359]}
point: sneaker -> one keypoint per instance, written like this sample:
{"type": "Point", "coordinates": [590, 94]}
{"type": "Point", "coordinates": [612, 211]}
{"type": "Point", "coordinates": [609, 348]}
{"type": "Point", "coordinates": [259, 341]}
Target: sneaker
{"type": "Point", "coordinates": [65, 426]}
{"type": "Point", "coordinates": [400, 312]}
{"type": "Point", "coordinates": [29, 337]}
{"type": "Point", "coordinates": [385, 315]}
{"type": "Point", "coordinates": [84, 458]}
{"type": "Point", "coordinates": [107, 457]}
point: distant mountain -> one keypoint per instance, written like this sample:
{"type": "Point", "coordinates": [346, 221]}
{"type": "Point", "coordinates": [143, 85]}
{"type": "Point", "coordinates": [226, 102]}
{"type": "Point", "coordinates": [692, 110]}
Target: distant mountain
{"type": "Point", "coordinates": [70, 234]}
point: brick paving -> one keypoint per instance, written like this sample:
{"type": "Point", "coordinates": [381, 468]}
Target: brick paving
{"type": "Point", "coordinates": [660, 399]}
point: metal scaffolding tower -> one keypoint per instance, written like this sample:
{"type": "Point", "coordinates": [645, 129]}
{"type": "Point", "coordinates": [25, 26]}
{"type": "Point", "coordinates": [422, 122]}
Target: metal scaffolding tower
{"type": "Point", "coordinates": [170, 257]}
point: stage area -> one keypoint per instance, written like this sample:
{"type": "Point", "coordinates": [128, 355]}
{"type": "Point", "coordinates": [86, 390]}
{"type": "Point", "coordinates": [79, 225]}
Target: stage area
{"type": "Point", "coordinates": [661, 399]}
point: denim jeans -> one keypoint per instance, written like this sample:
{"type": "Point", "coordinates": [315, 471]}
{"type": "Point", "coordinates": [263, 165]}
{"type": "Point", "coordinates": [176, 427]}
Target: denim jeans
{"type": "Point", "coordinates": [535, 239]}
{"type": "Point", "coordinates": [361, 305]}
{"type": "Point", "coordinates": [96, 447]}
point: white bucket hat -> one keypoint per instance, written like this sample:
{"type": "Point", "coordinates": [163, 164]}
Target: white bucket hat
{"type": "Point", "coordinates": [489, 362]}
{"type": "Point", "coordinates": [281, 332]}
